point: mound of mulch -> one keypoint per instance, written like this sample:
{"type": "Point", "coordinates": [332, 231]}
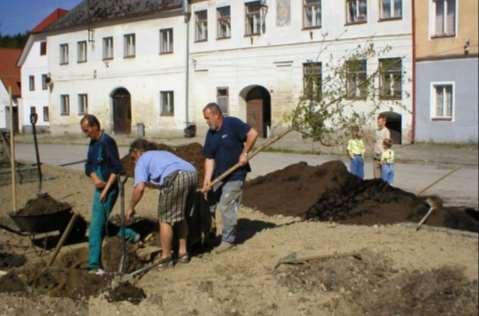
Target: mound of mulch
{"type": "Point", "coordinates": [192, 153]}
{"type": "Point", "coordinates": [330, 193]}
{"type": "Point", "coordinates": [42, 205]}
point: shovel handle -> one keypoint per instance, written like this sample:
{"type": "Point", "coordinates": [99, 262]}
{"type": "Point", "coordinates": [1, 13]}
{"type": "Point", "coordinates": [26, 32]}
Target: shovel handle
{"type": "Point", "coordinates": [64, 236]}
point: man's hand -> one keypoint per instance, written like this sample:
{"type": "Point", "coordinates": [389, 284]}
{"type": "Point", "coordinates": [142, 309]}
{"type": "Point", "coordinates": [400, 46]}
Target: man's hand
{"type": "Point", "coordinates": [205, 189]}
{"type": "Point", "coordinates": [103, 195]}
{"type": "Point", "coordinates": [129, 214]}
{"type": "Point", "coordinates": [243, 159]}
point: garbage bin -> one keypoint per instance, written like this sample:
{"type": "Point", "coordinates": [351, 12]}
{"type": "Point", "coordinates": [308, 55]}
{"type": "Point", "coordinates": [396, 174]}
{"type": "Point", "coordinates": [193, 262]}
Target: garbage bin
{"type": "Point", "coordinates": [140, 130]}
{"type": "Point", "coordinates": [190, 130]}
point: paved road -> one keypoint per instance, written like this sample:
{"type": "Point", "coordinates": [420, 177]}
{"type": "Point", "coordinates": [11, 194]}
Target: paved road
{"type": "Point", "coordinates": [461, 188]}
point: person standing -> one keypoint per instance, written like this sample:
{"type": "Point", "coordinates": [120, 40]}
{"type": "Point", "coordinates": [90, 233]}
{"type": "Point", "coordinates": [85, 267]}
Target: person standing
{"type": "Point", "coordinates": [227, 143]}
{"type": "Point", "coordinates": [387, 162]}
{"type": "Point", "coordinates": [356, 152]}
{"type": "Point", "coordinates": [382, 133]}
{"type": "Point", "coordinates": [176, 180]}
{"type": "Point", "coordinates": [103, 167]}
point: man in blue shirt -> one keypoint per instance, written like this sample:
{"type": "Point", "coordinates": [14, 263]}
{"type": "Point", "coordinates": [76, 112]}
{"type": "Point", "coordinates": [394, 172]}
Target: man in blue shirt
{"type": "Point", "coordinates": [103, 167]}
{"type": "Point", "coordinates": [228, 142]}
{"type": "Point", "coordinates": [176, 180]}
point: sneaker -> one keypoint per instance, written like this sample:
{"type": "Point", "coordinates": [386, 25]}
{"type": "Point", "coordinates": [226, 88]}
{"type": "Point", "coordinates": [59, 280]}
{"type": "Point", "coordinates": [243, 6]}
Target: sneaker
{"type": "Point", "coordinates": [137, 238]}
{"type": "Point", "coordinates": [97, 271]}
{"type": "Point", "coordinates": [224, 246]}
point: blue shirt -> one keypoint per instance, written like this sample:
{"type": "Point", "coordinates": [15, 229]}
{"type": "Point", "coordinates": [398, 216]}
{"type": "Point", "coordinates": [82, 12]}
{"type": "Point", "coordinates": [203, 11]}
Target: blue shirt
{"type": "Point", "coordinates": [154, 165]}
{"type": "Point", "coordinates": [225, 146]}
{"type": "Point", "coordinates": [103, 157]}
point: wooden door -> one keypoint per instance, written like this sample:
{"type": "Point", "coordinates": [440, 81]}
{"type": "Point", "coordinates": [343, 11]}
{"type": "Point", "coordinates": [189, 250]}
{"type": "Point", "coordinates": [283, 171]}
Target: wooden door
{"type": "Point", "coordinates": [122, 113]}
{"type": "Point", "coordinates": [254, 114]}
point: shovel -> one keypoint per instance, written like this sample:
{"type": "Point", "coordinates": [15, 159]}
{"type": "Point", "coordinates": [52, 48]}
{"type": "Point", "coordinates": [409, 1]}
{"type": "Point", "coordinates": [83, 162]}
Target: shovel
{"type": "Point", "coordinates": [123, 259]}
{"type": "Point", "coordinates": [33, 121]}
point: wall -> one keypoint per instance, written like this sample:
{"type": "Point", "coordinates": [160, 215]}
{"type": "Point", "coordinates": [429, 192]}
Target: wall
{"type": "Point", "coordinates": [463, 127]}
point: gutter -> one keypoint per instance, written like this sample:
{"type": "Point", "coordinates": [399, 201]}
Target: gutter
{"type": "Point", "coordinates": [413, 132]}
{"type": "Point", "coordinates": [187, 13]}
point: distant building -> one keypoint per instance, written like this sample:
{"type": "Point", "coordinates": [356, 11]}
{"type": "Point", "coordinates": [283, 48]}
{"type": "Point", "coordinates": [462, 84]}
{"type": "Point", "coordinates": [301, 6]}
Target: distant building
{"type": "Point", "coordinates": [35, 76]}
{"type": "Point", "coordinates": [446, 83]}
{"type": "Point", "coordinates": [9, 78]}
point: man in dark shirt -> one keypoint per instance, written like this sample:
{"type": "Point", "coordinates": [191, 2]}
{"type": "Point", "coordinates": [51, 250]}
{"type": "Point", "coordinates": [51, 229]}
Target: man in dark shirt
{"type": "Point", "coordinates": [228, 142]}
{"type": "Point", "coordinates": [103, 167]}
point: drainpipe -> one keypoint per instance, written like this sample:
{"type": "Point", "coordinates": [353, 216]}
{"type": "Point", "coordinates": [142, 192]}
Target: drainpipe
{"type": "Point", "coordinates": [413, 12]}
{"type": "Point", "coordinates": [187, 13]}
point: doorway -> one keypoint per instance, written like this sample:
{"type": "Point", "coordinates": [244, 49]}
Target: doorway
{"type": "Point", "coordinates": [121, 111]}
{"type": "Point", "coordinates": [258, 108]}
{"type": "Point", "coordinates": [394, 124]}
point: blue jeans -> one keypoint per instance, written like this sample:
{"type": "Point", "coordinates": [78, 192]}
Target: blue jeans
{"type": "Point", "coordinates": [387, 173]}
{"type": "Point", "coordinates": [357, 166]}
{"type": "Point", "coordinates": [99, 217]}
{"type": "Point", "coordinates": [227, 199]}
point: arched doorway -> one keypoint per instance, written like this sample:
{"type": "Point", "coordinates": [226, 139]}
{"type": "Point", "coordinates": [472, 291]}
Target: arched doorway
{"type": "Point", "coordinates": [394, 124]}
{"type": "Point", "coordinates": [121, 111]}
{"type": "Point", "coordinates": [258, 108]}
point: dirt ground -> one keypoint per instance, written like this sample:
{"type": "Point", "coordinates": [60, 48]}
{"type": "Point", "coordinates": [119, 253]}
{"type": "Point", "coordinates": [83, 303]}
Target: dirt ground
{"type": "Point", "coordinates": [351, 269]}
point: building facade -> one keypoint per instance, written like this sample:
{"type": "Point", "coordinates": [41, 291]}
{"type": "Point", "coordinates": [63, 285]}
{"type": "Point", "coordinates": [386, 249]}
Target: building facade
{"type": "Point", "coordinates": [446, 55]}
{"type": "Point", "coordinates": [9, 80]}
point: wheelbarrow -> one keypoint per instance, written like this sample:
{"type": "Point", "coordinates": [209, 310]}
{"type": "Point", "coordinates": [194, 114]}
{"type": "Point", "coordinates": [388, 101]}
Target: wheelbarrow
{"type": "Point", "coordinates": [42, 223]}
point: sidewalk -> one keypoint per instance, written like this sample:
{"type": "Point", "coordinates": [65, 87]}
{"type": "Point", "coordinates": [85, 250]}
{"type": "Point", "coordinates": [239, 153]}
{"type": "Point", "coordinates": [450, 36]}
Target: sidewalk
{"type": "Point", "coordinates": [457, 154]}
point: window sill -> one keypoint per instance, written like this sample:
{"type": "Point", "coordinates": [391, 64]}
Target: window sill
{"type": "Point", "coordinates": [441, 119]}
{"type": "Point", "coordinates": [223, 38]}
{"type": "Point", "coordinates": [389, 98]}
{"type": "Point", "coordinates": [356, 23]}
{"type": "Point", "coordinates": [166, 53]}
{"type": "Point", "coordinates": [442, 36]}
{"type": "Point", "coordinates": [129, 57]}
{"type": "Point", "coordinates": [167, 115]}
{"type": "Point", "coordinates": [355, 98]}
{"type": "Point", "coordinates": [107, 58]}
{"type": "Point", "coordinates": [395, 18]}
{"type": "Point", "coordinates": [64, 114]}
{"type": "Point", "coordinates": [201, 41]}
{"type": "Point", "coordinates": [63, 64]}
{"type": "Point", "coordinates": [310, 28]}
{"type": "Point", "coordinates": [252, 35]}
{"type": "Point", "coordinates": [81, 61]}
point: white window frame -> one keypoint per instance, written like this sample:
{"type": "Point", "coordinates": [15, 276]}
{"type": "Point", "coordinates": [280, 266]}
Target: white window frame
{"type": "Point", "coordinates": [393, 10]}
{"type": "Point", "coordinates": [44, 82]}
{"type": "Point", "coordinates": [43, 44]}
{"type": "Point", "coordinates": [108, 48]}
{"type": "Point", "coordinates": [64, 105]}
{"type": "Point", "coordinates": [432, 102]}
{"type": "Point", "coordinates": [64, 56]}
{"type": "Point", "coordinates": [129, 45]}
{"type": "Point", "coordinates": [82, 103]}
{"type": "Point", "coordinates": [254, 21]}
{"type": "Point", "coordinates": [432, 20]}
{"type": "Point", "coordinates": [82, 54]}
{"type": "Point", "coordinates": [223, 21]}
{"type": "Point", "coordinates": [31, 83]}
{"type": "Point", "coordinates": [389, 96]}
{"type": "Point", "coordinates": [358, 93]}
{"type": "Point", "coordinates": [313, 4]}
{"type": "Point", "coordinates": [201, 26]}
{"type": "Point", "coordinates": [349, 18]}
{"type": "Point", "coordinates": [170, 103]}
{"type": "Point", "coordinates": [46, 110]}
{"type": "Point", "coordinates": [166, 37]}
{"type": "Point", "coordinates": [223, 100]}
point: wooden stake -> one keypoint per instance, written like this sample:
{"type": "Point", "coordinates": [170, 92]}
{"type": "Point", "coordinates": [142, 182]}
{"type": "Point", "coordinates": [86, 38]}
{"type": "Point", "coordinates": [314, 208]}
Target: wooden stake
{"type": "Point", "coordinates": [12, 154]}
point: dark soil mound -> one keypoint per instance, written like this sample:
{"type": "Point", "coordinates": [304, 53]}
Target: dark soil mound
{"type": "Point", "coordinates": [42, 205]}
{"type": "Point", "coordinates": [8, 260]}
{"type": "Point", "coordinates": [126, 292]}
{"type": "Point", "coordinates": [330, 192]}
{"type": "Point", "coordinates": [192, 153]}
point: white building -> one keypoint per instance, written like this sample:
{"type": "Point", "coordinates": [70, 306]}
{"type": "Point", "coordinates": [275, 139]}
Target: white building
{"type": "Point", "coordinates": [9, 79]}
{"type": "Point", "coordinates": [250, 56]}
{"type": "Point", "coordinates": [34, 73]}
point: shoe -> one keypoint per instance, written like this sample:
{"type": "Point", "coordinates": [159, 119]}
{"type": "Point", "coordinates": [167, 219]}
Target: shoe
{"type": "Point", "coordinates": [97, 271]}
{"type": "Point", "coordinates": [184, 258]}
{"type": "Point", "coordinates": [136, 239]}
{"type": "Point", "coordinates": [165, 263]}
{"type": "Point", "coordinates": [224, 246]}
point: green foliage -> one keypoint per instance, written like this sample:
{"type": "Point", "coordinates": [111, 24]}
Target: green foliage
{"type": "Point", "coordinates": [13, 41]}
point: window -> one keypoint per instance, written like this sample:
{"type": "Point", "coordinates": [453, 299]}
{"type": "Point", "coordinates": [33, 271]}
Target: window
{"type": "Point", "coordinates": [254, 18]}
{"type": "Point", "coordinates": [390, 80]}
{"type": "Point", "coordinates": [82, 52]}
{"type": "Point", "coordinates": [201, 26]}
{"type": "Point", "coordinates": [356, 80]}
{"type": "Point", "coordinates": [107, 48]}
{"type": "Point", "coordinates": [46, 116]}
{"type": "Point", "coordinates": [166, 41]}
{"type": "Point", "coordinates": [356, 11]}
{"type": "Point", "coordinates": [312, 13]}
{"type": "Point", "coordinates": [444, 18]}
{"type": "Point", "coordinates": [442, 101]}
{"type": "Point", "coordinates": [43, 48]}
{"type": "Point", "coordinates": [44, 82]}
{"type": "Point", "coordinates": [167, 103]}
{"type": "Point", "coordinates": [63, 54]}
{"type": "Point", "coordinates": [223, 22]}
{"type": "Point", "coordinates": [129, 45]}
{"type": "Point", "coordinates": [312, 81]}
{"type": "Point", "coordinates": [390, 9]}
{"type": "Point", "coordinates": [33, 110]}
{"type": "Point", "coordinates": [222, 98]}
{"type": "Point", "coordinates": [64, 104]}
{"type": "Point", "coordinates": [31, 83]}
{"type": "Point", "coordinates": [82, 104]}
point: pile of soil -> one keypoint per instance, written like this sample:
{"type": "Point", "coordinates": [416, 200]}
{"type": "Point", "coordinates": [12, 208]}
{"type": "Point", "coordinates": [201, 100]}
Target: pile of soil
{"type": "Point", "coordinates": [43, 205]}
{"type": "Point", "coordinates": [192, 153]}
{"type": "Point", "coordinates": [330, 193]}
{"type": "Point", "coordinates": [126, 292]}
{"type": "Point", "coordinates": [8, 260]}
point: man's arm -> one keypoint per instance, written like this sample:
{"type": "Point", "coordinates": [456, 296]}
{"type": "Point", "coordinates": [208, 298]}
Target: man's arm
{"type": "Point", "coordinates": [251, 137]}
{"type": "Point", "coordinates": [209, 167]}
{"type": "Point", "coordinates": [106, 188]}
{"type": "Point", "coordinates": [136, 196]}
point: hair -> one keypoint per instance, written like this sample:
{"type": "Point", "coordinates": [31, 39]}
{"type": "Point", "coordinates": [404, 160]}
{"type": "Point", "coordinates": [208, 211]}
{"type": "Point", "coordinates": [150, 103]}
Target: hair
{"type": "Point", "coordinates": [388, 143]}
{"type": "Point", "coordinates": [213, 107]}
{"type": "Point", "coordinates": [355, 130]}
{"type": "Point", "coordinates": [382, 116]}
{"type": "Point", "coordinates": [142, 145]}
{"type": "Point", "coordinates": [91, 120]}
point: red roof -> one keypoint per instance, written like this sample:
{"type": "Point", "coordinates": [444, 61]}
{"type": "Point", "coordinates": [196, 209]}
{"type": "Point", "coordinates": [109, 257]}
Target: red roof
{"type": "Point", "coordinates": [49, 20]}
{"type": "Point", "coordinates": [9, 72]}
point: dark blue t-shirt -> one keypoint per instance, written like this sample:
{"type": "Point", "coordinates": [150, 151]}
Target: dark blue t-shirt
{"type": "Point", "coordinates": [103, 157]}
{"type": "Point", "coordinates": [225, 146]}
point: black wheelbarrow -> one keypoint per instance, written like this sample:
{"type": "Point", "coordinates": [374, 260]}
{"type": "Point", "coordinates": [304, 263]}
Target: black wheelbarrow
{"type": "Point", "coordinates": [42, 223]}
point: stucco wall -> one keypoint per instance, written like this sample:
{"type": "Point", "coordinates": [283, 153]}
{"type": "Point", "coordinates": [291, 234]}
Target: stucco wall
{"type": "Point", "coordinates": [464, 125]}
